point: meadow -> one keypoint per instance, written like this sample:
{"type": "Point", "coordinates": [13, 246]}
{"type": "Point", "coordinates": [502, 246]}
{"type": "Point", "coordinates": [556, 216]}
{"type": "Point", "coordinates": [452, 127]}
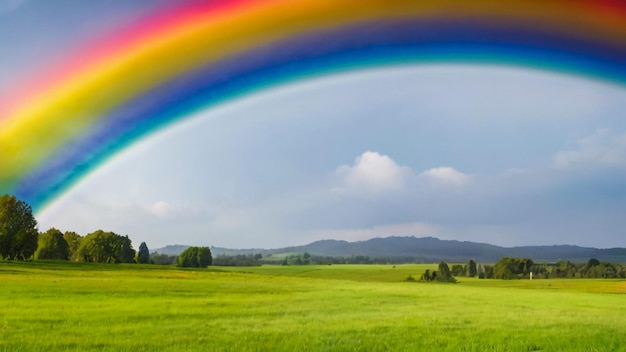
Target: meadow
{"type": "Point", "coordinates": [62, 306]}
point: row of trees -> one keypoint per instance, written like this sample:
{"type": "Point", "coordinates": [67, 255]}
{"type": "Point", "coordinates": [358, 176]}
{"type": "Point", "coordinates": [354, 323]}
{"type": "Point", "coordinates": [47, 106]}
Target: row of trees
{"type": "Point", "coordinates": [524, 268]}
{"type": "Point", "coordinates": [592, 269]}
{"type": "Point", "coordinates": [20, 240]}
{"type": "Point", "coordinates": [108, 247]}
{"type": "Point", "coordinates": [238, 260]}
{"type": "Point", "coordinates": [442, 275]}
{"type": "Point", "coordinates": [99, 247]}
{"type": "Point", "coordinates": [306, 258]}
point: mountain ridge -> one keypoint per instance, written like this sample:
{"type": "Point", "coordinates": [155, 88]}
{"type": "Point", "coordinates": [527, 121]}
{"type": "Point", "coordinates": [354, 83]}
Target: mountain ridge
{"type": "Point", "coordinates": [427, 249]}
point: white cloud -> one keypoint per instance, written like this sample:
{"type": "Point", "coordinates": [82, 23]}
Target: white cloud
{"type": "Point", "coordinates": [161, 208]}
{"type": "Point", "coordinates": [446, 176]}
{"type": "Point", "coordinates": [372, 173]}
{"type": "Point", "coordinates": [164, 209]}
{"type": "Point", "coordinates": [603, 148]}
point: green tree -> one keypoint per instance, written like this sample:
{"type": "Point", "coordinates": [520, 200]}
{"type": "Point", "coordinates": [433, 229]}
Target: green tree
{"type": "Point", "coordinates": [163, 259]}
{"type": "Point", "coordinates": [433, 276]}
{"type": "Point", "coordinates": [106, 247]}
{"type": "Point", "coordinates": [143, 255]}
{"type": "Point", "coordinates": [458, 270]}
{"type": "Point", "coordinates": [592, 262]}
{"type": "Point", "coordinates": [471, 268]}
{"type": "Point", "coordinates": [512, 268]}
{"type": "Point", "coordinates": [565, 269]}
{"type": "Point", "coordinates": [18, 229]}
{"type": "Point", "coordinates": [73, 242]}
{"type": "Point", "coordinates": [505, 268]}
{"type": "Point", "coordinates": [52, 245]}
{"type": "Point", "coordinates": [481, 271]}
{"type": "Point", "coordinates": [489, 272]}
{"type": "Point", "coordinates": [197, 257]}
{"type": "Point", "coordinates": [204, 257]}
{"type": "Point", "coordinates": [444, 273]}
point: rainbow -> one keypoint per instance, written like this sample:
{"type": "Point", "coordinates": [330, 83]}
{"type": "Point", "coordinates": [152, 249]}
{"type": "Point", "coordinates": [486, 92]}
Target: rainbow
{"type": "Point", "coordinates": [195, 54]}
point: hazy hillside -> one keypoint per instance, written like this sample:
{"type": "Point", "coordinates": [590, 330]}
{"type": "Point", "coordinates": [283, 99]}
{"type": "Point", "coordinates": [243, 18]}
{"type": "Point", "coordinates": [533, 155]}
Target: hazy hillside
{"type": "Point", "coordinates": [174, 249]}
{"type": "Point", "coordinates": [428, 249]}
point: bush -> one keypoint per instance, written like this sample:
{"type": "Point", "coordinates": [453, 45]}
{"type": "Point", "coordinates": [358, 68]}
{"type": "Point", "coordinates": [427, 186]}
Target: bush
{"type": "Point", "coordinates": [105, 247]}
{"type": "Point", "coordinates": [195, 257]}
{"type": "Point", "coordinates": [458, 270]}
{"type": "Point", "coordinates": [444, 273]}
{"type": "Point", "coordinates": [52, 245]}
{"type": "Point", "coordinates": [513, 268]}
{"type": "Point", "coordinates": [163, 259]}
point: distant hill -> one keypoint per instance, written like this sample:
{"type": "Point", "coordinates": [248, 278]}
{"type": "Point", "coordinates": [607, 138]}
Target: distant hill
{"type": "Point", "coordinates": [174, 249]}
{"type": "Point", "coordinates": [429, 249]}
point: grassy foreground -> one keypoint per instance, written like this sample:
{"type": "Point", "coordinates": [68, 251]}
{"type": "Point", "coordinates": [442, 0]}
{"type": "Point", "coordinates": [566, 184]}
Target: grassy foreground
{"type": "Point", "coordinates": [79, 307]}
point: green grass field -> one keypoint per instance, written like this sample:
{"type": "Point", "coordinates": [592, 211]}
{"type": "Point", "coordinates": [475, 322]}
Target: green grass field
{"type": "Point", "coordinates": [77, 307]}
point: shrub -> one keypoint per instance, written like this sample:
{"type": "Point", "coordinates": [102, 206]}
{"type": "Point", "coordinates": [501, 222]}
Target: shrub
{"type": "Point", "coordinates": [52, 245]}
{"type": "Point", "coordinates": [196, 257]}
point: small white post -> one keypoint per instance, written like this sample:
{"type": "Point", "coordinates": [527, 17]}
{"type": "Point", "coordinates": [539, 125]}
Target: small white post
{"type": "Point", "coordinates": [531, 275]}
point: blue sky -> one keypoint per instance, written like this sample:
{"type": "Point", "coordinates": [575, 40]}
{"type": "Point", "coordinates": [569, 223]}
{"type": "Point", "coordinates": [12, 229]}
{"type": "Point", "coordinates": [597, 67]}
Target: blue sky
{"type": "Point", "coordinates": [505, 155]}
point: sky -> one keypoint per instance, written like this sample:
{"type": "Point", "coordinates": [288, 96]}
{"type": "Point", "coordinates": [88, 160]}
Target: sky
{"type": "Point", "coordinates": [499, 154]}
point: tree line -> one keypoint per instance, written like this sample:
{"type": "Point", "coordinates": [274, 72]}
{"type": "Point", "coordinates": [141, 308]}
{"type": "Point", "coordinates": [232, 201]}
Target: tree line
{"type": "Point", "coordinates": [508, 268]}
{"type": "Point", "coordinates": [20, 240]}
{"type": "Point", "coordinates": [517, 268]}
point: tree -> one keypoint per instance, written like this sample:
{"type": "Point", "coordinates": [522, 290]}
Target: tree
{"type": "Point", "coordinates": [143, 255]}
{"type": "Point", "coordinates": [73, 242]}
{"type": "Point", "coordinates": [512, 268]}
{"type": "Point", "coordinates": [591, 263]}
{"type": "Point", "coordinates": [204, 257]}
{"type": "Point", "coordinates": [18, 229]}
{"type": "Point", "coordinates": [505, 268]}
{"type": "Point", "coordinates": [197, 257]}
{"type": "Point", "coordinates": [481, 271]}
{"type": "Point", "coordinates": [565, 269]}
{"type": "Point", "coordinates": [444, 273]}
{"type": "Point", "coordinates": [458, 270]}
{"type": "Point", "coordinates": [163, 259]}
{"type": "Point", "coordinates": [106, 247]}
{"type": "Point", "coordinates": [489, 272]}
{"type": "Point", "coordinates": [52, 245]}
{"type": "Point", "coordinates": [471, 268]}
